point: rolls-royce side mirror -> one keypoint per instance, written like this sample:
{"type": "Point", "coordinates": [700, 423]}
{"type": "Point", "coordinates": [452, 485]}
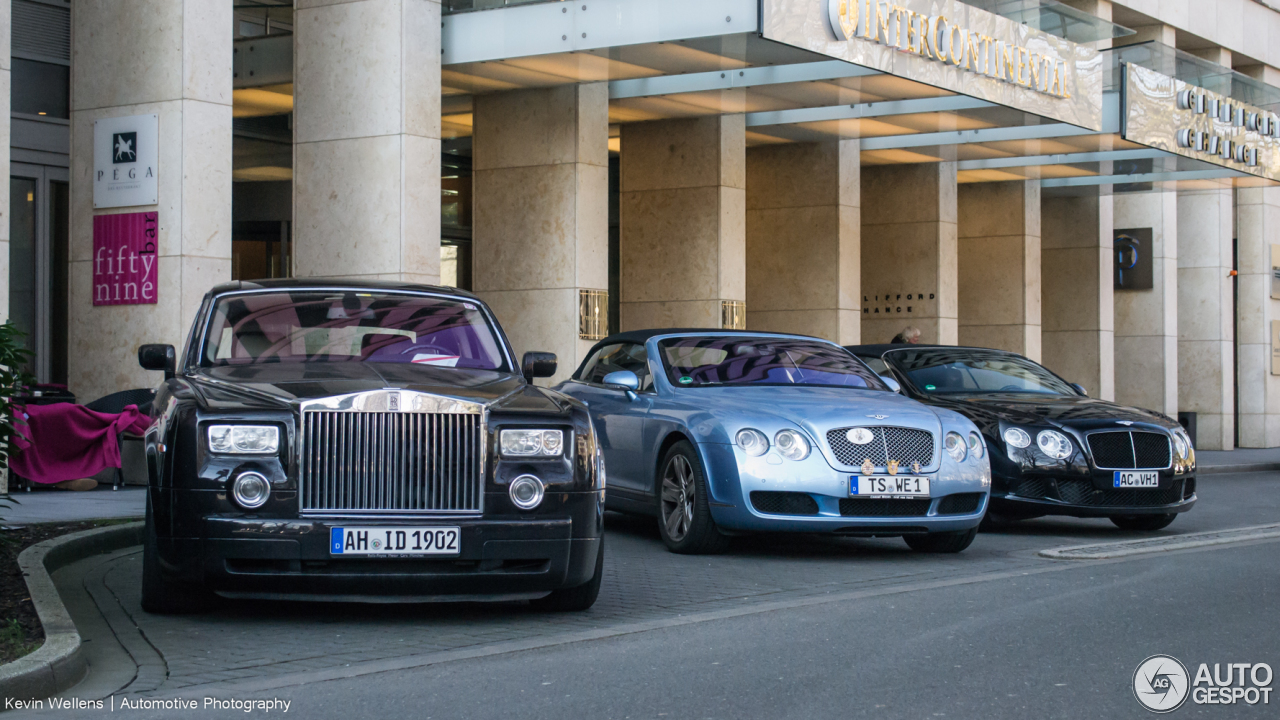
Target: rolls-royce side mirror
{"type": "Point", "coordinates": [538, 365]}
{"type": "Point", "coordinates": [1080, 389]}
{"type": "Point", "coordinates": [623, 380]}
{"type": "Point", "coordinates": [159, 357]}
{"type": "Point", "coordinates": [893, 384]}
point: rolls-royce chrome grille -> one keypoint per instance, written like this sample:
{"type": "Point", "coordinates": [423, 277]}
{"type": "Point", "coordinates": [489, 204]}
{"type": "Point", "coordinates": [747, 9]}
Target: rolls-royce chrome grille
{"type": "Point", "coordinates": [391, 462]}
{"type": "Point", "coordinates": [906, 445]}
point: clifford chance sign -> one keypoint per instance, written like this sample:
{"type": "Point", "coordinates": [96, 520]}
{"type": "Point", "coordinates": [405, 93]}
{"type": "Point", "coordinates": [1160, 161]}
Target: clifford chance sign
{"type": "Point", "coordinates": [124, 161]}
{"type": "Point", "coordinates": [125, 259]}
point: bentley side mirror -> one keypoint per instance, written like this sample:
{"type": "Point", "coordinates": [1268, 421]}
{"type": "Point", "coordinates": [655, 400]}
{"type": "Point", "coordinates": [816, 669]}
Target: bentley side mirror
{"type": "Point", "coordinates": [538, 365]}
{"type": "Point", "coordinates": [893, 384]}
{"type": "Point", "coordinates": [159, 357]}
{"type": "Point", "coordinates": [624, 380]}
{"type": "Point", "coordinates": [1080, 389]}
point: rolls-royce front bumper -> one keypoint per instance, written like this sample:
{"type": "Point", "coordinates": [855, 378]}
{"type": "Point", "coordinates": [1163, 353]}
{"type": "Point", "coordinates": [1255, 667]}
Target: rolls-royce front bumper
{"type": "Point", "coordinates": [503, 557]}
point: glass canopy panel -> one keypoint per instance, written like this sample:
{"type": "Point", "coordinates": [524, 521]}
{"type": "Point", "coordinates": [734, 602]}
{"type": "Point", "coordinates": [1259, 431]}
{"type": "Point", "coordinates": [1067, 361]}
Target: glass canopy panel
{"type": "Point", "coordinates": [1191, 69]}
{"type": "Point", "coordinates": [1054, 18]}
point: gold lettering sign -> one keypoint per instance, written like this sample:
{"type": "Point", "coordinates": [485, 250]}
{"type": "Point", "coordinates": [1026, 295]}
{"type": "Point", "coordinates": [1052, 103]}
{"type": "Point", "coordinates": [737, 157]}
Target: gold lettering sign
{"type": "Point", "coordinates": [950, 45]}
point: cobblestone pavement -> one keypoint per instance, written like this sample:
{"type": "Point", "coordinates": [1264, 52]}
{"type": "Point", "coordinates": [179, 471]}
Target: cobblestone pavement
{"type": "Point", "coordinates": [260, 640]}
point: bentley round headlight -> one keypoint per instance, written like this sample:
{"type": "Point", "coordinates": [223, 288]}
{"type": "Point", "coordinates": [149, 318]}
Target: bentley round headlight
{"type": "Point", "coordinates": [791, 445]}
{"type": "Point", "coordinates": [1017, 437]}
{"type": "Point", "coordinates": [1054, 444]}
{"type": "Point", "coordinates": [975, 445]}
{"type": "Point", "coordinates": [752, 442]}
{"type": "Point", "coordinates": [250, 490]}
{"type": "Point", "coordinates": [1179, 444]}
{"type": "Point", "coordinates": [526, 492]}
{"type": "Point", "coordinates": [955, 446]}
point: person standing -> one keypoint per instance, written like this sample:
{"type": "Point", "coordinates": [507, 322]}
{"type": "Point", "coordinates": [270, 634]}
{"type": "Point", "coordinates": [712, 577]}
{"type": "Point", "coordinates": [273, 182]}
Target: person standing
{"type": "Point", "coordinates": [910, 335]}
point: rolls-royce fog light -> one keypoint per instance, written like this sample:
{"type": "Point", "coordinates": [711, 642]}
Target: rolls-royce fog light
{"type": "Point", "coordinates": [526, 492]}
{"type": "Point", "coordinates": [250, 490]}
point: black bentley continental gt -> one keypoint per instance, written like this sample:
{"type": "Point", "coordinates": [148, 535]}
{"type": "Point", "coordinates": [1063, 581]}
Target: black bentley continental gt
{"type": "Point", "coordinates": [360, 441]}
{"type": "Point", "coordinates": [1054, 450]}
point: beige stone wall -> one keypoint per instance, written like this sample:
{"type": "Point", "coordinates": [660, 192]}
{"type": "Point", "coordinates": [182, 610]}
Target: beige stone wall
{"type": "Point", "coordinates": [1257, 229]}
{"type": "Point", "coordinates": [909, 274]}
{"type": "Point", "coordinates": [541, 209]}
{"type": "Point", "coordinates": [682, 215]}
{"type": "Point", "coordinates": [1206, 370]}
{"type": "Point", "coordinates": [178, 65]}
{"type": "Point", "coordinates": [803, 252]}
{"type": "Point", "coordinates": [1147, 320]}
{"type": "Point", "coordinates": [1077, 301]}
{"type": "Point", "coordinates": [367, 139]}
{"type": "Point", "coordinates": [999, 266]}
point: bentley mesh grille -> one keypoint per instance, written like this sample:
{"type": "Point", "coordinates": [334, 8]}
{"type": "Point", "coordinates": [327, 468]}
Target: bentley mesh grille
{"type": "Point", "coordinates": [389, 462]}
{"type": "Point", "coordinates": [1032, 488]}
{"type": "Point", "coordinates": [784, 503]}
{"type": "Point", "coordinates": [960, 504]}
{"type": "Point", "coordinates": [1082, 492]}
{"type": "Point", "coordinates": [1130, 450]}
{"type": "Point", "coordinates": [884, 507]}
{"type": "Point", "coordinates": [906, 445]}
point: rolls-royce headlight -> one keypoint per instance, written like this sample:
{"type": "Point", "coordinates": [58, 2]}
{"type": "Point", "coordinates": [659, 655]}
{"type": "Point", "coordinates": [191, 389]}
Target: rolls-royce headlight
{"type": "Point", "coordinates": [1017, 437]}
{"type": "Point", "coordinates": [531, 443]}
{"type": "Point", "coordinates": [955, 446]}
{"type": "Point", "coordinates": [975, 445]}
{"type": "Point", "coordinates": [244, 439]}
{"type": "Point", "coordinates": [791, 445]}
{"type": "Point", "coordinates": [1054, 444]}
{"type": "Point", "coordinates": [753, 442]}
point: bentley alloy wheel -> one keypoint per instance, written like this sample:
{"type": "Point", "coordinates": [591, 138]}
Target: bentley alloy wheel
{"type": "Point", "coordinates": [684, 516]}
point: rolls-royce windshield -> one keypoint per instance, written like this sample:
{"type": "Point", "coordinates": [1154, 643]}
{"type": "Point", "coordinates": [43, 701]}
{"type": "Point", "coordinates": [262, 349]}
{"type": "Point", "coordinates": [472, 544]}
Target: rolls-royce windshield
{"type": "Point", "coordinates": [308, 326]}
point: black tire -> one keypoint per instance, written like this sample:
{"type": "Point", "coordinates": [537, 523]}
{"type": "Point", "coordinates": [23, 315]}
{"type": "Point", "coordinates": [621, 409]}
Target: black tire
{"type": "Point", "coordinates": [1147, 523]}
{"type": "Point", "coordinates": [948, 542]}
{"type": "Point", "coordinates": [162, 595]}
{"type": "Point", "coordinates": [575, 599]}
{"type": "Point", "coordinates": [684, 515]}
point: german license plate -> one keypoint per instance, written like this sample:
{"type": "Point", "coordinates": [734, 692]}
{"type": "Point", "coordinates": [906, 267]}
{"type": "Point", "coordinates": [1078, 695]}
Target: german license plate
{"type": "Point", "coordinates": [405, 541]}
{"type": "Point", "coordinates": [1130, 479]}
{"type": "Point", "coordinates": [888, 486]}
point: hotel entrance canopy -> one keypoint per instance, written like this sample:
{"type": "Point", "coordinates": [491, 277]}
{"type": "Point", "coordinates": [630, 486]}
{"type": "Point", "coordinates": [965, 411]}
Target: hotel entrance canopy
{"type": "Point", "coordinates": [1020, 103]}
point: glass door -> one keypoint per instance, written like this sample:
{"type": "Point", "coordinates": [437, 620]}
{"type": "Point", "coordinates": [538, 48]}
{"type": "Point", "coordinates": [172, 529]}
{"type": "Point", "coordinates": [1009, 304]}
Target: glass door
{"type": "Point", "coordinates": [38, 265]}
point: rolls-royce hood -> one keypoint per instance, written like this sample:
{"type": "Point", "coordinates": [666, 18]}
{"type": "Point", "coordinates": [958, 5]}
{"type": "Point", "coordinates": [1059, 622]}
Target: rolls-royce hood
{"type": "Point", "coordinates": [817, 409]}
{"type": "Point", "coordinates": [1081, 413]}
{"type": "Point", "coordinates": [284, 385]}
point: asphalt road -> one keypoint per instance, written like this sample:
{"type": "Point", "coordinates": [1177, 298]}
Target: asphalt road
{"type": "Point", "coordinates": [777, 628]}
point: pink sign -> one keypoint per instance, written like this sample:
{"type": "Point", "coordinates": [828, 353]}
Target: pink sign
{"type": "Point", "coordinates": [125, 259]}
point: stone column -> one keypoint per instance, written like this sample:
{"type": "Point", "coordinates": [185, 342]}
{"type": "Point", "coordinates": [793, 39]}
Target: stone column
{"type": "Point", "coordinates": [909, 274]}
{"type": "Point", "coordinates": [1077, 301]}
{"type": "Point", "coordinates": [803, 227]}
{"type": "Point", "coordinates": [1206, 368]}
{"type": "Point", "coordinates": [1258, 233]}
{"type": "Point", "coordinates": [999, 266]}
{"type": "Point", "coordinates": [366, 176]}
{"type": "Point", "coordinates": [1147, 320]}
{"type": "Point", "coordinates": [682, 211]}
{"type": "Point", "coordinates": [172, 58]}
{"type": "Point", "coordinates": [541, 213]}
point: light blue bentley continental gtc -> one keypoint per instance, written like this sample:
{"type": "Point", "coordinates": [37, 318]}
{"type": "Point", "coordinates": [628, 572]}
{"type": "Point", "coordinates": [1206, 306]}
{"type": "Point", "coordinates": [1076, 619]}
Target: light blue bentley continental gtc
{"type": "Point", "coordinates": [719, 433]}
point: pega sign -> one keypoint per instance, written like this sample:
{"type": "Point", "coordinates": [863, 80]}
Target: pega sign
{"type": "Point", "coordinates": [939, 38]}
{"type": "Point", "coordinates": [950, 45]}
{"type": "Point", "coordinates": [125, 260]}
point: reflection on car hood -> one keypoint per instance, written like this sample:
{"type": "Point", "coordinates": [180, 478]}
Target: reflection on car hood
{"type": "Point", "coordinates": [817, 409]}
{"type": "Point", "coordinates": [281, 385]}
{"type": "Point", "coordinates": [1082, 413]}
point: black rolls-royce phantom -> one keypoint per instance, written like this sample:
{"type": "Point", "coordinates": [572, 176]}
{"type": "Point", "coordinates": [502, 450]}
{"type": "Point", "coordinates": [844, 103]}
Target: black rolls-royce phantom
{"type": "Point", "coordinates": [336, 440]}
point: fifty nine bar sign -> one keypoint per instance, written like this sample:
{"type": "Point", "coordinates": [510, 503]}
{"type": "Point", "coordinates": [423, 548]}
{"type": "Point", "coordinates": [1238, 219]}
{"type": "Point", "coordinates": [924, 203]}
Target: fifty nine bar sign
{"type": "Point", "coordinates": [950, 45]}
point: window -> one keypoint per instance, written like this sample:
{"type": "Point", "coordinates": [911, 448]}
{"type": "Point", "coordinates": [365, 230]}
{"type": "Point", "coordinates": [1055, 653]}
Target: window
{"type": "Point", "coordinates": [41, 88]}
{"type": "Point", "coordinates": [742, 360]}
{"type": "Point", "coordinates": [613, 358]}
{"type": "Point", "coordinates": [969, 371]}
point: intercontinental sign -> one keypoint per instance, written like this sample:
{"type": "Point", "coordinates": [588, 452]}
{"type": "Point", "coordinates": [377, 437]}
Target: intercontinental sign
{"type": "Point", "coordinates": [950, 45]}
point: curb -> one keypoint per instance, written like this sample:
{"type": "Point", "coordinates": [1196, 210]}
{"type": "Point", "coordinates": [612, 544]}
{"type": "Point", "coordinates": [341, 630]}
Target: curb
{"type": "Point", "coordinates": [58, 664]}
{"type": "Point", "coordinates": [1243, 468]}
